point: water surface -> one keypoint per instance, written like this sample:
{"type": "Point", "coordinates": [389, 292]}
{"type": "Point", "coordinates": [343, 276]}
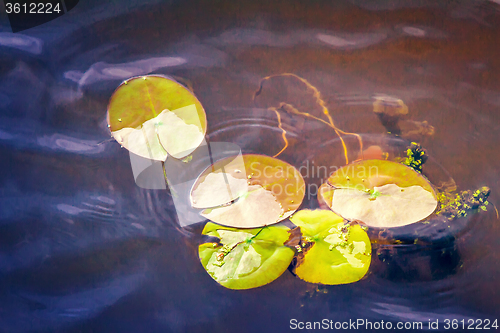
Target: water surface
{"type": "Point", "coordinates": [83, 249]}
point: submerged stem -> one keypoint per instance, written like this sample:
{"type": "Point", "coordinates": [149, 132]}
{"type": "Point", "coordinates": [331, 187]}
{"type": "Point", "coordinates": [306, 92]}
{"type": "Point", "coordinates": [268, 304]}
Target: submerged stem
{"type": "Point", "coordinates": [283, 130]}
{"type": "Point", "coordinates": [289, 108]}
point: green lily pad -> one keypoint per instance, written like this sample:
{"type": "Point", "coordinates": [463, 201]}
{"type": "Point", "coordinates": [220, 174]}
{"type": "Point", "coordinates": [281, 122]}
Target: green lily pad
{"type": "Point", "coordinates": [333, 252]}
{"type": "Point", "coordinates": [379, 193]}
{"type": "Point", "coordinates": [273, 192]}
{"type": "Point", "coordinates": [153, 117]}
{"type": "Point", "coordinates": [247, 258]}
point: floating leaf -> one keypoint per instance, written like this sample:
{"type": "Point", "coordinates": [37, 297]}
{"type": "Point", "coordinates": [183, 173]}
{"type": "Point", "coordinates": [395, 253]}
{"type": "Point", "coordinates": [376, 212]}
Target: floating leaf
{"type": "Point", "coordinates": [142, 141]}
{"type": "Point", "coordinates": [258, 207]}
{"type": "Point", "coordinates": [153, 116]}
{"type": "Point", "coordinates": [387, 206]}
{"type": "Point", "coordinates": [275, 191]}
{"type": "Point", "coordinates": [334, 253]}
{"type": "Point", "coordinates": [370, 173]}
{"type": "Point", "coordinates": [220, 186]}
{"type": "Point", "coordinates": [247, 258]}
{"type": "Point", "coordinates": [218, 189]}
{"type": "Point", "coordinates": [379, 193]}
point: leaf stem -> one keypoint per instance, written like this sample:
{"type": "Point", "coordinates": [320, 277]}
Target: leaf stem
{"type": "Point", "coordinates": [259, 232]}
{"type": "Point", "coordinates": [289, 108]}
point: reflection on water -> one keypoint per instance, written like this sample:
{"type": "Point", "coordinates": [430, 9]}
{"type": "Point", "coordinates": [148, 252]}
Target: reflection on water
{"type": "Point", "coordinates": [84, 249]}
{"type": "Point", "coordinates": [21, 42]}
{"type": "Point", "coordinates": [102, 71]}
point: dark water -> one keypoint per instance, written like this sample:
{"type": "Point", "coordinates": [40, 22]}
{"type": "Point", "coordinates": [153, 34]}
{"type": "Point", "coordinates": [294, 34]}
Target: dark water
{"type": "Point", "coordinates": [83, 249]}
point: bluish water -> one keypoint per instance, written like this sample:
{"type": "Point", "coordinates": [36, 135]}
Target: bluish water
{"type": "Point", "coordinates": [83, 249]}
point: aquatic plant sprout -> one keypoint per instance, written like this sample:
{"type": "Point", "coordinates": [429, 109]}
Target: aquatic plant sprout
{"type": "Point", "coordinates": [389, 111]}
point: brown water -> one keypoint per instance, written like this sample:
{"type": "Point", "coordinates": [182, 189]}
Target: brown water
{"type": "Point", "coordinates": [83, 249]}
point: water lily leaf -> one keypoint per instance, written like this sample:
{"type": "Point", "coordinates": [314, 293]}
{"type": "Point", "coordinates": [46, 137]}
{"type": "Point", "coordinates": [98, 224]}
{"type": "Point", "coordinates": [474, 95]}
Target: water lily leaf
{"type": "Point", "coordinates": [258, 207]}
{"type": "Point", "coordinates": [367, 174]}
{"type": "Point", "coordinates": [177, 137]}
{"type": "Point", "coordinates": [334, 252]}
{"type": "Point", "coordinates": [274, 191]}
{"type": "Point", "coordinates": [379, 193]}
{"type": "Point", "coordinates": [218, 187]}
{"type": "Point", "coordinates": [153, 116]}
{"type": "Point", "coordinates": [248, 258]}
{"type": "Point", "coordinates": [387, 206]}
{"type": "Point", "coordinates": [142, 141]}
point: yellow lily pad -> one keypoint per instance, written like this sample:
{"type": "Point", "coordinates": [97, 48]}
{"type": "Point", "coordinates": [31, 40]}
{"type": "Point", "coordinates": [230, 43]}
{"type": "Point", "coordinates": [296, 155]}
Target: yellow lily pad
{"type": "Point", "coordinates": [387, 206]}
{"type": "Point", "coordinates": [153, 117]}
{"type": "Point", "coordinates": [274, 191]}
{"type": "Point", "coordinates": [379, 193]}
{"type": "Point", "coordinates": [258, 207]}
{"type": "Point", "coordinates": [219, 187]}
